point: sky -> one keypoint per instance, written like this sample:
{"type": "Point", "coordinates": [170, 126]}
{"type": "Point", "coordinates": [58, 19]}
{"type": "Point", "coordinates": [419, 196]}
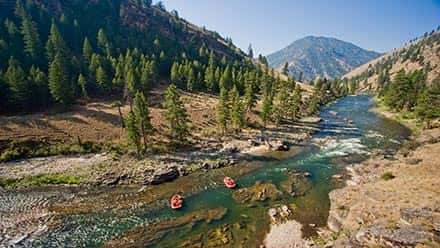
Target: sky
{"type": "Point", "coordinates": [270, 25]}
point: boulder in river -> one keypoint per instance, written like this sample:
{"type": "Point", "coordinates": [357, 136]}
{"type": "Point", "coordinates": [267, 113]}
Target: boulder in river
{"type": "Point", "coordinates": [162, 175]}
{"type": "Point", "coordinates": [281, 146]}
{"type": "Point", "coordinates": [297, 184]}
{"type": "Point", "coordinates": [259, 192]}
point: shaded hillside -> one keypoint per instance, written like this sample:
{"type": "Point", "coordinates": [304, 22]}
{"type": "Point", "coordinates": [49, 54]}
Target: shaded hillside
{"type": "Point", "coordinates": [54, 52]}
{"type": "Point", "coordinates": [313, 57]}
{"type": "Point", "coordinates": [421, 54]}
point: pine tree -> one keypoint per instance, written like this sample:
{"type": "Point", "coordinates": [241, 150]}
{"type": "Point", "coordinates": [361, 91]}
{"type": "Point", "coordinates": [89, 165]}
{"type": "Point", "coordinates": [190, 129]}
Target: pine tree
{"type": "Point", "coordinates": [59, 84]}
{"type": "Point", "coordinates": [285, 70]}
{"type": "Point", "coordinates": [40, 90]}
{"type": "Point", "coordinates": [226, 79]}
{"type": "Point", "coordinates": [103, 79]}
{"type": "Point", "coordinates": [104, 43]}
{"type": "Point", "coordinates": [191, 80]}
{"type": "Point", "coordinates": [237, 116]}
{"type": "Point", "coordinates": [132, 83]}
{"type": "Point", "coordinates": [87, 50]}
{"type": "Point", "coordinates": [148, 76]}
{"type": "Point", "coordinates": [223, 110]}
{"type": "Point", "coordinates": [396, 96]}
{"type": "Point", "coordinates": [133, 132]}
{"type": "Point", "coordinates": [176, 77]}
{"type": "Point", "coordinates": [175, 114]}
{"type": "Point", "coordinates": [143, 119]}
{"type": "Point", "coordinates": [211, 82]}
{"type": "Point", "coordinates": [294, 104]}
{"type": "Point", "coordinates": [250, 51]}
{"type": "Point", "coordinates": [281, 105]}
{"type": "Point", "coordinates": [31, 38]}
{"type": "Point", "coordinates": [314, 101]}
{"type": "Point", "coordinates": [82, 83]}
{"type": "Point", "coordinates": [250, 99]}
{"type": "Point", "coordinates": [18, 85]}
{"type": "Point", "coordinates": [428, 103]}
{"type": "Point", "coordinates": [266, 111]}
{"type": "Point", "coordinates": [55, 44]}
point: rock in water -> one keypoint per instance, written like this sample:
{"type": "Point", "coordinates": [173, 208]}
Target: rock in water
{"type": "Point", "coordinates": [163, 175]}
{"type": "Point", "coordinates": [297, 184]}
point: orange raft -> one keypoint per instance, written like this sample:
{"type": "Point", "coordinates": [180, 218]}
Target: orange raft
{"type": "Point", "coordinates": [176, 201]}
{"type": "Point", "coordinates": [229, 182]}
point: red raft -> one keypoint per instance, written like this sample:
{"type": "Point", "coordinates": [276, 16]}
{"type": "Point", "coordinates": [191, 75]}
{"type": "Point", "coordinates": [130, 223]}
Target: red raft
{"type": "Point", "coordinates": [229, 182]}
{"type": "Point", "coordinates": [176, 201]}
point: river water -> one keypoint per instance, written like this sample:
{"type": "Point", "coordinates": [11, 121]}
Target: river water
{"type": "Point", "coordinates": [339, 143]}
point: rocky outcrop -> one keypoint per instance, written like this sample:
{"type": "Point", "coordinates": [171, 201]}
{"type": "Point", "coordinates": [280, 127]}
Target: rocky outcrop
{"type": "Point", "coordinates": [377, 211]}
{"type": "Point", "coordinates": [259, 192]}
{"type": "Point", "coordinates": [297, 184]}
{"type": "Point", "coordinates": [162, 175]}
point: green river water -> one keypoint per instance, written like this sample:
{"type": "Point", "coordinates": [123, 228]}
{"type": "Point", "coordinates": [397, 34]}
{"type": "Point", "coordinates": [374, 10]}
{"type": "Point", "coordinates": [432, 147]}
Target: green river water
{"type": "Point", "coordinates": [336, 145]}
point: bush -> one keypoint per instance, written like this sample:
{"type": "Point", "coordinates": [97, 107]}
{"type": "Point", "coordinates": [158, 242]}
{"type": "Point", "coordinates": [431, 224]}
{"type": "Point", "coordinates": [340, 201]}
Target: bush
{"type": "Point", "coordinates": [388, 176]}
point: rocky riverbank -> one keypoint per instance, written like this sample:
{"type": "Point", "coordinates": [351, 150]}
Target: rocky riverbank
{"type": "Point", "coordinates": [391, 201]}
{"type": "Point", "coordinates": [107, 169]}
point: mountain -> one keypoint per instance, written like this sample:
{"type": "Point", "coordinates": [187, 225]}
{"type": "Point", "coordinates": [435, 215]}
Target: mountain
{"type": "Point", "coordinates": [419, 54]}
{"type": "Point", "coordinates": [313, 57]}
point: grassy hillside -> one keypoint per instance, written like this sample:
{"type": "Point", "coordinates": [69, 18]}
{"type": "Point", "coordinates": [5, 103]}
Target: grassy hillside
{"type": "Point", "coordinates": [421, 54]}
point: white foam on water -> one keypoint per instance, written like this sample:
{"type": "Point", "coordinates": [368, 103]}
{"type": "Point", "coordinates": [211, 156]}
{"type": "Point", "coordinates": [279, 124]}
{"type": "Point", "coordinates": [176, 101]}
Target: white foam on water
{"type": "Point", "coordinates": [394, 141]}
{"type": "Point", "coordinates": [334, 147]}
{"type": "Point", "coordinates": [374, 134]}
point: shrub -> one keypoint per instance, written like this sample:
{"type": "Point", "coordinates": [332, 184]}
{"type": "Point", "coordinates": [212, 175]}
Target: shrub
{"type": "Point", "coordinates": [388, 176]}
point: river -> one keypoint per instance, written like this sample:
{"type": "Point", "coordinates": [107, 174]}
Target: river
{"type": "Point", "coordinates": [348, 134]}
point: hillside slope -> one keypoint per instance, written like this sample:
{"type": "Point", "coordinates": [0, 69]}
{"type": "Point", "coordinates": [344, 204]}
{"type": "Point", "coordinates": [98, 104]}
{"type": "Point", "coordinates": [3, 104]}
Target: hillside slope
{"type": "Point", "coordinates": [314, 57]}
{"type": "Point", "coordinates": [423, 53]}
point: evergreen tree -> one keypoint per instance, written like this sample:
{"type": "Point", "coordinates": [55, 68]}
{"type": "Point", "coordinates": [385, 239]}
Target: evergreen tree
{"type": "Point", "coordinates": [176, 77]}
{"type": "Point", "coordinates": [31, 38]}
{"type": "Point", "coordinates": [223, 110]}
{"type": "Point", "coordinates": [55, 44]}
{"type": "Point", "coordinates": [281, 105]}
{"type": "Point", "coordinates": [428, 104]}
{"type": "Point", "coordinates": [250, 51]}
{"type": "Point", "coordinates": [143, 119]}
{"type": "Point", "coordinates": [210, 80]}
{"type": "Point", "coordinates": [103, 79]}
{"type": "Point", "coordinates": [266, 111]}
{"type": "Point", "coordinates": [132, 83]}
{"type": "Point", "coordinates": [133, 132]}
{"type": "Point", "coordinates": [82, 83]}
{"type": "Point", "coordinates": [40, 90]}
{"type": "Point", "coordinates": [59, 84]}
{"type": "Point", "coordinates": [191, 80]}
{"type": "Point", "coordinates": [397, 95]}
{"type": "Point", "coordinates": [237, 116]}
{"type": "Point", "coordinates": [175, 114]}
{"type": "Point", "coordinates": [18, 85]}
{"type": "Point", "coordinates": [104, 43]}
{"type": "Point", "coordinates": [250, 98]}
{"type": "Point", "coordinates": [226, 79]}
{"type": "Point", "coordinates": [285, 70]}
{"type": "Point", "coordinates": [87, 50]}
{"type": "Point", "coordinates": [313, 106]}
{"type": "Point", "coordinates": [294, 104]}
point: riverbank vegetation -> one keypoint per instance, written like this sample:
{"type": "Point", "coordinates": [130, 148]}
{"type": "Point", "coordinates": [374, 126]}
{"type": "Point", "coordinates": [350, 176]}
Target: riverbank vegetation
{"type": "Point", "coordinates": [409, 93]}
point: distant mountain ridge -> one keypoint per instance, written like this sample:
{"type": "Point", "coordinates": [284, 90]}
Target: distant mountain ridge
{"type": "Point", "coordinates": [313, 57]}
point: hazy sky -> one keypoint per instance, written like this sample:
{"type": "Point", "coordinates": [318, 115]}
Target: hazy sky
{"type": "Point", "coordinates": [270, 25]}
